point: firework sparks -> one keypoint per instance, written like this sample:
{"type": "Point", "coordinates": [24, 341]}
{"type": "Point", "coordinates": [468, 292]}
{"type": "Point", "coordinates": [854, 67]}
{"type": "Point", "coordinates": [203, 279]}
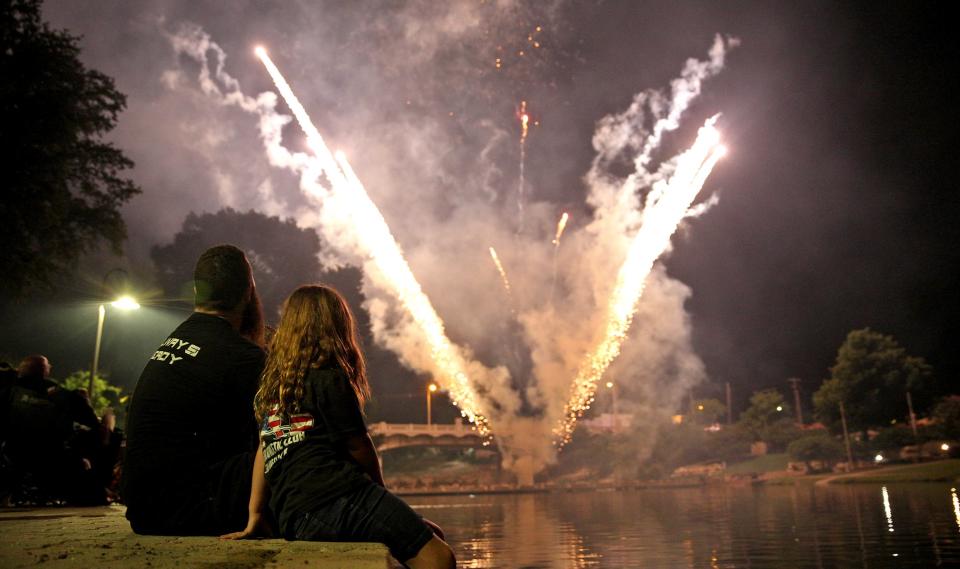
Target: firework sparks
{"type": "Point", "coordinates": [660, 221]}
{"type": "Point", "coordinates": [561, 225]}
{"type": "Point", "coordinates": [503, 273]}
{"type": "Point", "coordinates": [387, 259]}
{"type": "Point", "coordinates": [521, 189]}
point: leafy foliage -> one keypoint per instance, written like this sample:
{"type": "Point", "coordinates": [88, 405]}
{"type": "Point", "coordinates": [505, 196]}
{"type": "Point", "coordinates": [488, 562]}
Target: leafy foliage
{"type": "Point", "coordinates": [871, 376]}
{"type": "Point", "coordinates": [817, 446]}
{"type": "Point", "coordinates": [767, 407]}
{"type": "Point", "coordinates": [105, 393]}
{"type": "Point", "coordinates": [708, 411]}
{"type": "Point", "coordinates": [63, 184]}
{"type": "Point", "coordinates": [283, 255]}
{"type": "Point", "coordinates": [947, 416]}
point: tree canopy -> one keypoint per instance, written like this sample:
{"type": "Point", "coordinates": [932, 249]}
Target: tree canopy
{"type": "Point", "coordinates": [64, 184]}
{"type": "Point", "coordinates": [283, 255]}
{"type": "Point", "coordinates": [767, 408]}
{"type": "Point", "coordinates": [872, 376]}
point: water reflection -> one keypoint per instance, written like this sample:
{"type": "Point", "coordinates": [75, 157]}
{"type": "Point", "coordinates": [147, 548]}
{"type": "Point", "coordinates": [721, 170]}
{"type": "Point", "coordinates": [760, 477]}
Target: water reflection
{"type": "Point", "coordinates": [886, 508]}
{"type": "Point", "coordinates": [722, 527]}
{"type": "Point", "coordinates": [956, 506]}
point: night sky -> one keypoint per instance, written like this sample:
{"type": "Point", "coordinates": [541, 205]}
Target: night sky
{"type": "Point", "coordinates": [836, 207]}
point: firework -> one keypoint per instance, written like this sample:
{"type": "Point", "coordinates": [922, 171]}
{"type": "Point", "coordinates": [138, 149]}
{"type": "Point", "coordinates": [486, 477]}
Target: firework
{"type": "Point", "coordinates": [374, 238]}
{"type": "Point", "coordinates": [561, 225]}
{"type": "Point", "coordinates": [503, 273]}
{"type": "Point", "coordinates": [524, 129]}
{"type": "Point", "coordinates": [660, 221]}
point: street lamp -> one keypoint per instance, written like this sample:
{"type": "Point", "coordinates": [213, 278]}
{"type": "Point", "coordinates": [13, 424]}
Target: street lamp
{"type": "Point", "coordinates": [123, 303]}
{"type": "Point", "coordinates": [430, 390]}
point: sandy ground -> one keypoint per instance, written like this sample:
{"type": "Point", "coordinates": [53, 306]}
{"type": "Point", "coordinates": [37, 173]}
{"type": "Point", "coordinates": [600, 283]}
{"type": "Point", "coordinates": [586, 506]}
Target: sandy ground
{"type": "Point", "coordinates": [100, 538]}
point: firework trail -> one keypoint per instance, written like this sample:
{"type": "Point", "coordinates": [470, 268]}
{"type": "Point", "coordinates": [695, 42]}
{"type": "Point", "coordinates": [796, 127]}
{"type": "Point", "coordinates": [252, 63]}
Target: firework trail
{"type": "Point", "coordinates": [384, 252]}
{"type": "Point", "coordinates": [561, 225]}
{"type": "Point", "coordinates": [521, 190]}
{"type": "Point", "coordinates": [503, 273]}
{"type": "Point", "coordinates": [675, 196]}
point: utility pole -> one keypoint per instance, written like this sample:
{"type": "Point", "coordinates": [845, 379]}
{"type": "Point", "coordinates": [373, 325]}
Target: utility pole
{"type": "Point", "coordinates": [913, 426]}
{"type": "Point", "coordinates": [795, 383]}
{"type": "Point", "coordinates": [729, 405]}
{"type": "Point", "coordinates": [913, 416]}
{"type": "Point", "coordinates": [846, 437]}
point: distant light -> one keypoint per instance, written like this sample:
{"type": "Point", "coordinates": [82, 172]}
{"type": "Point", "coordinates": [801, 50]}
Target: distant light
{"type": "Point", "coordinates": [260, 51]}
{"type": "Point", "coordinates": [944, 447]}
{"type": "Point", "coordinates": [125, 303]}
{"type": "Point", "coordinates": [779, 408]}
{"type": "Point", "coordinates": [432, 387]}
{"type": "Point", "coordinates": [609, 384]}
{"type": "Point", "coordinates": [699, 407]}
{"type": "Point", "coordinates": [878, 458]}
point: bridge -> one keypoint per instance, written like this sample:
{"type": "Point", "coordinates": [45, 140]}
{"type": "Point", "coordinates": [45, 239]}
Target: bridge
{"type": "Point", "coordinates": [395, 435]}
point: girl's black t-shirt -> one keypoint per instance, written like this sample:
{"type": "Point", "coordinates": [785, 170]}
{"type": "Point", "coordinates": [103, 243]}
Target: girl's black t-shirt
{"type": "Point", "coordinates": [305, 455]}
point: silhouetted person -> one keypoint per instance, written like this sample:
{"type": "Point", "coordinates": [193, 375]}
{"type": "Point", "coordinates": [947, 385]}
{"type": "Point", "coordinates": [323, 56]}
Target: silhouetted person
{"type": "Point", "coordinates": [191, 430]}
{"type": "Point", "coordinates": [33, 373]}
{"type": "Point", "coordinates": [42, 422]}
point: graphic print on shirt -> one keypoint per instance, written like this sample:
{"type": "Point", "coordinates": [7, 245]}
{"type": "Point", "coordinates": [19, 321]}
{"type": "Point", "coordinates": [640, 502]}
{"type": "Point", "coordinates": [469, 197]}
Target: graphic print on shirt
{"type": "Point", "coordinates": [279, 435]}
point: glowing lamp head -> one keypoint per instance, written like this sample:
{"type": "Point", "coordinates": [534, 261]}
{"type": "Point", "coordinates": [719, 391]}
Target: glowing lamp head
{"type": "Point", "coordinates": [699, 407]}
{"type": "Point", "coordinates": [432, 387]}
{"type": "Point", "coordinates": [779, 408]}
{"type": "Point", "coordinates": [260, 51]}
{"type": "Point", "coordinates": [945, 447]}
{"type": "Point", "coordinates": [878, 458]}
{"type": "Point", "coordinates": [609, 385]}
{"type": "Point", "coordinates": [125, 303]}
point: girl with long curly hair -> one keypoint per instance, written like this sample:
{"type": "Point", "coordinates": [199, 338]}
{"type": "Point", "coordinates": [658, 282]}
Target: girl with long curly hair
{"type": "Point", "coordinates": [316, 464]}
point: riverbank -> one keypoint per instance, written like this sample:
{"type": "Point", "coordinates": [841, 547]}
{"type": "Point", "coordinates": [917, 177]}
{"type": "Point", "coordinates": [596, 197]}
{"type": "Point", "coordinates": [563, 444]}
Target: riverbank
{"type": "Point", "coordinates": [81, 538]}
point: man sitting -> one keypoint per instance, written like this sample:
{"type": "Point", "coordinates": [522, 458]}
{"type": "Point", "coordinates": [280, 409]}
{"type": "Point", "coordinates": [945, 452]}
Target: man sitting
{"type": "Point", "coordinates": [191, 432]}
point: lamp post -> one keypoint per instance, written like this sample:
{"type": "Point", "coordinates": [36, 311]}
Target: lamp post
{"type": "Point", "coordinates": [123, 303]}
{"type": "Point", "coordinates": [430, 390]}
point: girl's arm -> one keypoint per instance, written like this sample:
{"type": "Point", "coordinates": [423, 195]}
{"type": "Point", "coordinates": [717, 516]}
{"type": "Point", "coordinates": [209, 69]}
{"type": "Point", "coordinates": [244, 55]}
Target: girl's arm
{"type": "Point", "coordinates": [257, 523]}
{"type": "Point", "coordinates": [362, 450]}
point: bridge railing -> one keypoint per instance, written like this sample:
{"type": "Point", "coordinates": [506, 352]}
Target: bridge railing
{"type": "Point", "coordinates": [415, 429]}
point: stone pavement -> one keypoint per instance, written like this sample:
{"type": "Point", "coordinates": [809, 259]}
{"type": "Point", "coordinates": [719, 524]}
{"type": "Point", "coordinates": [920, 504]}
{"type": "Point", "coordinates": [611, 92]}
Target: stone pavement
{"type": "Point", "coordinates": [100, 538]}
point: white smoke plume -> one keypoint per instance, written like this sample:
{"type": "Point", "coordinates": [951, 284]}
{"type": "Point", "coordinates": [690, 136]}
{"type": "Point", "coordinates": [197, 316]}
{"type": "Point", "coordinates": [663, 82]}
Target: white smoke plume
{"type": "Point", "coordinates": [446, 242]}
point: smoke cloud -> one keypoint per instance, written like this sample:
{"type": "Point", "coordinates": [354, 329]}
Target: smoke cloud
{"type": "Point", "coordinates": [448, 194]}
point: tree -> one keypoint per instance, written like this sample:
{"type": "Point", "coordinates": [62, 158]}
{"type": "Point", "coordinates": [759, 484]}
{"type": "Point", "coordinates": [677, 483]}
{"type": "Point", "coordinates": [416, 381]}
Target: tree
{"type": "Point", "coordinates": [708, 411]}
{"type": "Point", "coordinates": [283, 255]}
{"type": "Point", "coordinates": [872, 376]}
{"type": "Point", "coordinates": [63, 184]}
{"type": "Point", "coordinates": [105, 393]}
{"type": "Point", "coordinates": [946, 415]}
{"type": "Point", "coordinates": [767, 407]}
{"type": "Point", "coordinates": [818, 446]}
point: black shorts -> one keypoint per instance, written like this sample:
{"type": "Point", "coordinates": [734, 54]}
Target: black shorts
{"type": "Point", "coordinates": [369, 513]}
{"type": "Point", "coordinates": [214, 502]}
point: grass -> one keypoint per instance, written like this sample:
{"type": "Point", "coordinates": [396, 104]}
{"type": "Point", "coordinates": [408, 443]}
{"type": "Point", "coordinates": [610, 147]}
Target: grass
{"type": "Point", "coordinates": [937, 471]}
{"type": "Point", "coordinates": [760, 464]}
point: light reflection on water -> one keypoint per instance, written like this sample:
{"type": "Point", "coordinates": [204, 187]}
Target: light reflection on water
{"type": "Point", "coordinates": [717, 527]}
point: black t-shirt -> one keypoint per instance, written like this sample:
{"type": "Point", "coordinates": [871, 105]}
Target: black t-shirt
{"type": "Point", "coordinates": [306, 460]}
{"type": "Point", "coordinates": [191, 409]}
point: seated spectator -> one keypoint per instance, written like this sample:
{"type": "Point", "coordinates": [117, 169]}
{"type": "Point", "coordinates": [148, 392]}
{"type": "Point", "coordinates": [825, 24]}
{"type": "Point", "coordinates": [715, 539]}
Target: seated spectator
{"type": "Point", "coordinates": [191, 431]}
{"type": "Point", "coordinates": [40, 427]}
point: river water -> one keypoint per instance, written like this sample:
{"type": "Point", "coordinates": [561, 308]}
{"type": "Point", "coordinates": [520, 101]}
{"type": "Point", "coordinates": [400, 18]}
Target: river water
{"type": "Point", "coordinates": [870, 526]}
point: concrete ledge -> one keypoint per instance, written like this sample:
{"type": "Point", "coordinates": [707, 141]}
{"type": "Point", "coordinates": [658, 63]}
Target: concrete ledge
{"type": "Point", "coordinates": [88, 538]}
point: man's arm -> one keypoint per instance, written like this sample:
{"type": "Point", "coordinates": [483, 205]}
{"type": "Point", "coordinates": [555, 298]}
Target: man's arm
{"type": "Point", "coordinates": [361, 449]}
{"type": "Point", "coordinates": [257, 523]}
